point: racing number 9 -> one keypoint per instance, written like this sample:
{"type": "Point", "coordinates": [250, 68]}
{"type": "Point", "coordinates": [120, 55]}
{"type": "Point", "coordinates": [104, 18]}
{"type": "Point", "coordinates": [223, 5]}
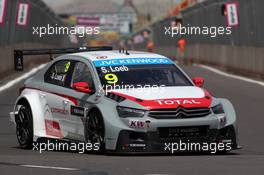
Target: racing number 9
{"type": "Point", "coordinates": [111, 78]}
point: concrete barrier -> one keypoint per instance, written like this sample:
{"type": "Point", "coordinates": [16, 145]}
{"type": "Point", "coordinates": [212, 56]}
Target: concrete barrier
{"type": "Point", "coordinates": [246, 60]}
{"type": "Point", "coordinates": [242, 59]}
{"type": "Point", "coordinates": [14, 36]}
{"type": "Point", "coordinates": [241, 52]}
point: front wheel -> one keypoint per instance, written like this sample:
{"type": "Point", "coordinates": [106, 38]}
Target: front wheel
{"type": "Point", "coordinates": [24, 127]}
{"type": "Point", "coordinates": [95, 131]}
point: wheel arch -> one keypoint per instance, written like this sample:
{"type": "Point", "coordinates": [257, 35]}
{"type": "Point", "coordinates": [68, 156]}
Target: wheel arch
{"type": "Point", "coordinates": [32, 100]}
{"type": "Point", "coordinates": [96, 109]}
{"type": "Point", "coordinates": [229, 110]}
{"type": "Point", "coordinates": [93, 109]}
{"type": "Point", "coordinates": [112, 122]}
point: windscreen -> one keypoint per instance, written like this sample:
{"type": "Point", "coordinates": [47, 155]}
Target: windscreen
{"type": "Point", "coordinates": [140, 72]}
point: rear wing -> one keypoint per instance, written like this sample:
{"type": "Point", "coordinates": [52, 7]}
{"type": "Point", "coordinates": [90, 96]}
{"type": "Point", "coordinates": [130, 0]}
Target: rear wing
{"type": "Point", "coordinates": [18, 54]}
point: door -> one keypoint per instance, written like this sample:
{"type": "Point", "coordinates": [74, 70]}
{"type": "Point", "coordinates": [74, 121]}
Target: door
{"type": "Point", "coordinates": [81, 73]}
{"type": "Point", "coordinates": [55, 92]}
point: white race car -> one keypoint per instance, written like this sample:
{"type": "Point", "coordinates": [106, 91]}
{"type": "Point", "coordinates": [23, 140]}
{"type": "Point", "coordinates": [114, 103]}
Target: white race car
{"type": "Point", "coordinates": [125, 101]}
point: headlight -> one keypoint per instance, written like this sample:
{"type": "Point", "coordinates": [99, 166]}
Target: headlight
{"type": "Point", "coordinates": [129, 112]}
{"type": "Point", "coordinates": [218, 109]}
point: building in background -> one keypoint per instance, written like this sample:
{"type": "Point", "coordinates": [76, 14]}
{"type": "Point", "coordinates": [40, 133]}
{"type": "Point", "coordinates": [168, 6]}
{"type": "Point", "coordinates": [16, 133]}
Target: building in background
{"type": "Point", "coordinates": [183, 5]}
{"type": "Point", "coordinates": [114, 21]}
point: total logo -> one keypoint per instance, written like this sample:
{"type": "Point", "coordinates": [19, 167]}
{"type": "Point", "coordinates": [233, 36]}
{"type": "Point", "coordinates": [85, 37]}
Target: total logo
{"type": "Point", "coordinates": [179, 102]}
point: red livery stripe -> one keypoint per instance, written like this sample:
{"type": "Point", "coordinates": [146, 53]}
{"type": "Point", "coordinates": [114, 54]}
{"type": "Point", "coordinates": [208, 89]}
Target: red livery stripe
{"type": "Point", "coordinates": [172, 102]}
{"type": "Point", "coordinates": [72, 99]}
{"type": "Point", "coordinates": [53, 128]}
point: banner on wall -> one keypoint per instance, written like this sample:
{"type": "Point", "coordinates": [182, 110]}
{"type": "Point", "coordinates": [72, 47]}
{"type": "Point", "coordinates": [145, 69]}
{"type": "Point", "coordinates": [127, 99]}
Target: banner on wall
{"type": "Point", "coordinates": [22, 14]}
{"type": "Point", "coordinates": [2, 11]}
{"type": "Point", "coordinates": [232, 14]}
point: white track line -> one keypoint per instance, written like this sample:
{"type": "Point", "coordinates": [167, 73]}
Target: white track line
{"type": "Point", "coordinates": [230, 75]}
{"type": "Point", "coordinates": [24, 76]}
{"type": "Point", "coordinates": [157, 174]}
{"type": "Point", "coordinates": [51, 167]}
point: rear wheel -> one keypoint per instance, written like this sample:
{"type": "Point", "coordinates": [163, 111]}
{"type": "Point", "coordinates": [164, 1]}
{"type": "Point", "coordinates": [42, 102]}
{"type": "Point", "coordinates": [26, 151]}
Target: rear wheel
{"type": "Point", "coordinates": [95, 131]}
{"type": "Point", "coordinates": [24, 127]}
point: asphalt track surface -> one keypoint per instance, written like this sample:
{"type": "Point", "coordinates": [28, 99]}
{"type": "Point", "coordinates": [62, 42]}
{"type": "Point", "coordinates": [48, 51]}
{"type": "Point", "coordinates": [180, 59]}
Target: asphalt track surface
{"type": "Point", "coordinates": [247, 98]}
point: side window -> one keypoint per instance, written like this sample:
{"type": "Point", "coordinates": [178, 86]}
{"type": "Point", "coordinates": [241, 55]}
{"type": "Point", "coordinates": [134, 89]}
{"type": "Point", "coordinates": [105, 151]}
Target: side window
{"type": "Point", "coordinates": [59, 73]}
{"type": "Point", "coordinates": [82, 73]}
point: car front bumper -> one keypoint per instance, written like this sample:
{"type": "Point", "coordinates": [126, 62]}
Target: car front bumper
{"type": "Point", "coordinates": [165, 140]}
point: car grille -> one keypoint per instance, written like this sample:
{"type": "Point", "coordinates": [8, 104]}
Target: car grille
{"type": "Point", "coordinates": [179, 113]}
{"type": "Point", "coordinates": [183, 132]}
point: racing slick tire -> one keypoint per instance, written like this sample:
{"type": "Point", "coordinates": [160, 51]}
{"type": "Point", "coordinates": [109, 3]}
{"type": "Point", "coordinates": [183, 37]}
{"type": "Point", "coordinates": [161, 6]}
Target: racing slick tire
{"type": "Point", "coordinates": [95, 130]}
{"type": "Point", "coordinates": [24, 127]}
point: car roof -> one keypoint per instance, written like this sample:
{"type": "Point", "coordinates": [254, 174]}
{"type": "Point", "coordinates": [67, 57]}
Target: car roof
{"type": "Point", "coordinates": [115, 54]}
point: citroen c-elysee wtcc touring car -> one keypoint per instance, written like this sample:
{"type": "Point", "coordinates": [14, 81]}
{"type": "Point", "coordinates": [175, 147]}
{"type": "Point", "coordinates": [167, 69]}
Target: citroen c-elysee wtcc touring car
{"type": "Point", "coordinates": [124, 101]}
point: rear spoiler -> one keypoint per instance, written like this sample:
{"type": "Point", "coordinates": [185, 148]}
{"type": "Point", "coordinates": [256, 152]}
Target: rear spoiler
{"type": "Point", "coordinates": [18, 54]}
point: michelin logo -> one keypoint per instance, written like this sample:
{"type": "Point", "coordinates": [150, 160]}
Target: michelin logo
{"type": "Point", "coordinates": [131, 61]}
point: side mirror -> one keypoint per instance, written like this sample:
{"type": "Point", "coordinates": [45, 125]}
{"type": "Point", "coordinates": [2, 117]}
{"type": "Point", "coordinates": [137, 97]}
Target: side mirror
{"type": "Point", "coordinates": [198, 81]}
{"type": "Point", "coordinates": [82, 87]}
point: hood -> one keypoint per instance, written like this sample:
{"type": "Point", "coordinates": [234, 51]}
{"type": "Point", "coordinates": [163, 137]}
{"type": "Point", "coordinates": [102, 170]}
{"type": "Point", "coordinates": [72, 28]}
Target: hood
{"type": "Point", "coordinates": [167, 97]}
